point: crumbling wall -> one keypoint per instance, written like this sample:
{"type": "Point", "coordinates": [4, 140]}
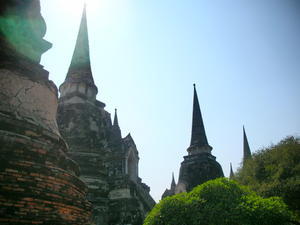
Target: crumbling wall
{"type": "Point", "coordinates": [39, 183]}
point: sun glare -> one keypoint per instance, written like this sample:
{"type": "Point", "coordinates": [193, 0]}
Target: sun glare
{"type": "Point", "coordinates": [75, 6]}
{"type": "Point", "coordinates": [104, 13]}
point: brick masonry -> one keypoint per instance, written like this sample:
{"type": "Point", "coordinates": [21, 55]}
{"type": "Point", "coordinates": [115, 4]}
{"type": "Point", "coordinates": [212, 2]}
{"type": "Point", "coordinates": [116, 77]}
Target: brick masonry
{"type": "Point", "coordinates": [39, 183]}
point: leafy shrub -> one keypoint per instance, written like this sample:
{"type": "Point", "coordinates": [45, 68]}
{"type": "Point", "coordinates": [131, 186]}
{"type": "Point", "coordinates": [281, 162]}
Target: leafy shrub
{"type": "Point", "coordinates": [219, 202]}
{"type": "Point", "coordinates": [275, 171]}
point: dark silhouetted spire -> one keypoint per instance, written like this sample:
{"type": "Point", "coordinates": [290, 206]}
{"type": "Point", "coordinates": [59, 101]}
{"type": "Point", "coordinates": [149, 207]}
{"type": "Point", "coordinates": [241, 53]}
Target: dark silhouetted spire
{"type": "Point", "coordinates": [115, 127]}
{"type": "Point", "coordinates": [198, 138]}
{"type": "Point", "coordinates": [231, 175]}
{"type": "Point", "coordinates": [80, 67]}
{"type": "Point", "coordinates": [171, 191]}
{"type": "Point", "coordinates": [247, 152]}
{"type": "Point", "coordinates": [173, 184]}
{"type": "Point", "coordinates": [116, 123]}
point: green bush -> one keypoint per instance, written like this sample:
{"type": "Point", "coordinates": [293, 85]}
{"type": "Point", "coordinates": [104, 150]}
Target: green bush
{"type": "Point", "coordinates": [275, 171]}
{"type": "Point", "coordinates": [219, 202]}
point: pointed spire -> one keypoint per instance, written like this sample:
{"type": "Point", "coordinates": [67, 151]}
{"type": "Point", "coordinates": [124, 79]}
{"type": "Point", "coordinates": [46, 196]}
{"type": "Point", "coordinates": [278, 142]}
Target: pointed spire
{"type": "Point", "coordinates": [173, 184]}
{"type": "Point", "coordinates": [116, 129]}
{"type": "Point", "coordinates": [116, 123]}
{"type": "Point", "coordinates": [231, 175]}
{"type": "Point", "coordinates": [246, 149]}
{"type": "Point", "coordinates": [198, 138]}
{"type": "Point", "coordinates": [80, 67]}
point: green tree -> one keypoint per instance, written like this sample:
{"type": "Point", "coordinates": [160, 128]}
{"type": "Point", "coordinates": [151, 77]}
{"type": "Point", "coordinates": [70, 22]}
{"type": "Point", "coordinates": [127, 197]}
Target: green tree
{"type": "Point", "coordinates": [275, 171]}
{"type": "Point", "coordinates": [219, 202]}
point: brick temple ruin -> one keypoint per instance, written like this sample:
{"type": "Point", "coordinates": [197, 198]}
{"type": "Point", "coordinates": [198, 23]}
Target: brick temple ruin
{"type": "Point", "coordinates": [108, 162]}
{"type": "Point", "coordinates": [63, 160]}
{"type": "Point", "coordinates": [80, 171]}
{"type": "Point", "coordinates": [39, 182]}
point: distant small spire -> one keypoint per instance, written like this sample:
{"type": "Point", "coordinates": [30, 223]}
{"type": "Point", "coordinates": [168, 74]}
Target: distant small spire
{"type": "Point", "coordinates": [116, 129]}
{"type": "Point", "coordinates": [231, 175]}
{"type": "Point", "coordinates": [246, 149]}
{"type": "Point", "coordinates": [173, 184]}
{"type": "Point", "coordinates": [198, 136]}
{"type": "Point", "coordinates": [116, 122]}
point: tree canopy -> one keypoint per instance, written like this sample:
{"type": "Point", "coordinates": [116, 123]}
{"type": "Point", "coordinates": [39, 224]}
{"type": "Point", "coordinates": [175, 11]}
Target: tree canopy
{"type": "Point", "coordinates": [219, 202]}
{"type": "Point", "coordinates": [275, 171]}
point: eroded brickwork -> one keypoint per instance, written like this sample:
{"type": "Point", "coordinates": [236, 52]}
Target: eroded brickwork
{"type": "Point", "coordinates": [39, 170]}
{"type": "Point", "coordinates": [39, 183]}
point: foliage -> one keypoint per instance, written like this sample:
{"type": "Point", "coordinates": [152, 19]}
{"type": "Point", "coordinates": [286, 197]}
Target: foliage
{"type": "Point", "coordinates": [219, 202]}
{"type": "Point", "coordinates": [275, 171]}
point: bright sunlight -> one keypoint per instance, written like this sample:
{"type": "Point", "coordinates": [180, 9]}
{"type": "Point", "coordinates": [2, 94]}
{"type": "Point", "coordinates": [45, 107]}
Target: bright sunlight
{"type": "Point", "coordinates": [76, 6]}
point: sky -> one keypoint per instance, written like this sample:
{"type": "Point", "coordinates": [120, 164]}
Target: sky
{"type": "Point", "coordinates": [244, 57]}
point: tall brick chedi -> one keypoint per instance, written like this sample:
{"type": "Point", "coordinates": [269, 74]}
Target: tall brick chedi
{"type": "Point", "coordinates": [199, 165]}
{"type": "Point", "coordinates": [108, 162]}
{"type": "Point", "coordinates": [39, 183]}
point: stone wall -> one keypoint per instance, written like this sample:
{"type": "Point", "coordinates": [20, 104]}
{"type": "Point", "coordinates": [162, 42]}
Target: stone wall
{"type": "Point", "coordinates": [39, 182]}
{"type": "Point", "coordinates": [83, 126]}
{"type": "Point", "coordinates": [108, 162]}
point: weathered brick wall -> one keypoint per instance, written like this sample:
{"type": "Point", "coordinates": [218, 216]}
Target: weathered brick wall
{"type": "Point", "coordinates": [38, 182]}
{"type": "Point", "coordinates": [84, 126]}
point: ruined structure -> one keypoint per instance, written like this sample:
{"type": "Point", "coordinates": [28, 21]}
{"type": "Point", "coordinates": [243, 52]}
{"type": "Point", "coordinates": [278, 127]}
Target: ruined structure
{"type": "Point", "coordinates": [199, 165]}
{"type": "Point", "coordinates": [108, 162]}
{"type": "Point", "coordinates": [82, 171]}
{"type": "Point", "coordinates": [39, 183]}
{"type": "Point", "coordinates": [171, 191]}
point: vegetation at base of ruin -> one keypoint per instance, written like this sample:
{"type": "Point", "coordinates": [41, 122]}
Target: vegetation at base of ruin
{"type": "Point", "coordinates": [275, 171]}
{"type": "Point", "coordinates": [220, 202]}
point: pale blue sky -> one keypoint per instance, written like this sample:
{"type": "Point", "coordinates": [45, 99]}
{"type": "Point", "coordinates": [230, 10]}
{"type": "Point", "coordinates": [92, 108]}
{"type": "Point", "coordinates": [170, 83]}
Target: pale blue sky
{"type": "Point", "coordinates": [243, 55]}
